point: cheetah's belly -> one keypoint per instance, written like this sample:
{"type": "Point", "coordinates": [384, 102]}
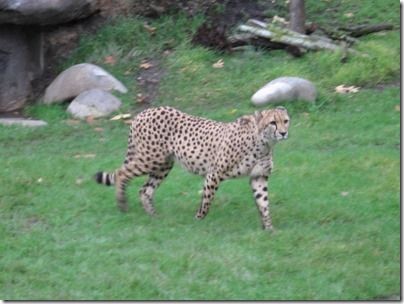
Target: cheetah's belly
{"type": "Point", "coordinates": [193, 166]}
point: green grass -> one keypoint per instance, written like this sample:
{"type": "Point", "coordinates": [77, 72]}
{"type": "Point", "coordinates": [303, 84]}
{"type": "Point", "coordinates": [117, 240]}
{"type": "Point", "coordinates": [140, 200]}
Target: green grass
{"type": "Point", "coordinates": [335, 191]}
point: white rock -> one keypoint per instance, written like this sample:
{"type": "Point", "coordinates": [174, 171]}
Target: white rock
{"type": "Point", "coordinates": [95, 103]}
{"type": "Point", "coordinates": [78, 79]}
{"type": "Point", "coordinates": [285, 88]}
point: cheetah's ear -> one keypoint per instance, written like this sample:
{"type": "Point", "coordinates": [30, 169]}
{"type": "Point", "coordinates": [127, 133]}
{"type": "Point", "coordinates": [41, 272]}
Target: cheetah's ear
{"type": "Point", "coordinates": [258, 116]}
{"type": "Point", "coordinates": [282, 109]}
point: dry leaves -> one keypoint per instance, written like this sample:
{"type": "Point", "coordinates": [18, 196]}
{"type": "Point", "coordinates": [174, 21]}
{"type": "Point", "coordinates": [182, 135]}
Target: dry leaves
{"type": "Point", "coordinates": [219, 64]}
{"type": "Point", "coordinates": [280, 20]}
{"type": "Point", "coordinates": [145, 65]}
{"type": "Point", "coordinates": [397, 108]}
{"type": "Point", "coordinates": [151, 30]}
{"type": "Point", "coordinates": [109, 60]}
{"type": "Point", "coordinates": [343, 89]}
{"type": "Point", "coordinates": [120, 116]}
{"type": "Point", "coordinates": [140, 98]}
{"type": "Point", "coordinates": [90, 119]}
{"type": "Point", "coordinates": [169, 42]}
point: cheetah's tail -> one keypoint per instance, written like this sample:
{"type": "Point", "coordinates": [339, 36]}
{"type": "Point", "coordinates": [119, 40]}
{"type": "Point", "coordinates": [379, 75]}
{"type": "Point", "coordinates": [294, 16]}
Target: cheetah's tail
{"type": "Point", "coordinates": [105, 178]}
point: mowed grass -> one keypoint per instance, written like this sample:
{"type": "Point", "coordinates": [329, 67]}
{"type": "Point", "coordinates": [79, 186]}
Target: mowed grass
{"type": "Point", "coordinates": [335, 191]}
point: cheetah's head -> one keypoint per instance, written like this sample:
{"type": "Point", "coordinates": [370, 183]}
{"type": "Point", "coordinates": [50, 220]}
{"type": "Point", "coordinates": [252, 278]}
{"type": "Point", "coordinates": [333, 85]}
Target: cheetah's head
{"type": "Point", "coordinates": [273, 124]}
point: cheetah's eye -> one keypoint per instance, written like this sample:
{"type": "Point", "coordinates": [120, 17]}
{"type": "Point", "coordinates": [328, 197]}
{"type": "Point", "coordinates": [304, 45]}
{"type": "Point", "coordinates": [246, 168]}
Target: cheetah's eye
{"type": "Point", "coordinates": [285, 121]}
{"type": "Point", "coordinates": [273, 123]}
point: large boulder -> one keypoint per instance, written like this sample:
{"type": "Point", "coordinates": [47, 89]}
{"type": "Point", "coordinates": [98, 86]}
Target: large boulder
{"type": "Point", "coordinates": [78, 79]}
{"type": "Point", "coordinates": [285, 88]}
{"type": "Point", "coordinates": [94, 103]}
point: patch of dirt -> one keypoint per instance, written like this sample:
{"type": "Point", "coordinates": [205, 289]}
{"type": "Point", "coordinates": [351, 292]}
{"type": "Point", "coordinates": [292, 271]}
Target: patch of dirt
{"type": "Point", "coordinates": [381, 87]}
{"type": "Point", "coordinates": [148, 80]}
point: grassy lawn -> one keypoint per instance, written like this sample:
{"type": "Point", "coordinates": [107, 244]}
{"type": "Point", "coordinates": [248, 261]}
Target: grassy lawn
{"type": "Point", "coordinates": [335, 191]}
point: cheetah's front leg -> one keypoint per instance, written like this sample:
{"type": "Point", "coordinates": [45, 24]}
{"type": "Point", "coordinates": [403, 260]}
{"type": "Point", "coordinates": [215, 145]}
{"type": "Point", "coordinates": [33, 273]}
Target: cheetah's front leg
{"type": "Point", "coordinates": [210, 187]}
{"type": "Point", "coordinates": [259, 186]}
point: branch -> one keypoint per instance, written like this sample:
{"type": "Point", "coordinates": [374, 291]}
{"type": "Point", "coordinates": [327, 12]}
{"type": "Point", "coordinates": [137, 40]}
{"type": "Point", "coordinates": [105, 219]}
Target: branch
{"type": "Point", "coordinates": [362, 30]}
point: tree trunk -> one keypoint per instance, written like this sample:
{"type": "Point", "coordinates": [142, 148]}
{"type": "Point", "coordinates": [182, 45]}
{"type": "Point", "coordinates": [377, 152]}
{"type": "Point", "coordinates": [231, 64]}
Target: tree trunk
{"type": "Point", "coordinates": [297, 16]}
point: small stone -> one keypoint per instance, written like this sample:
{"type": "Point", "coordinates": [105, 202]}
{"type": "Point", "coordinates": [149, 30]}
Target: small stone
{"type": "Point", "coordinates": [94, 103]}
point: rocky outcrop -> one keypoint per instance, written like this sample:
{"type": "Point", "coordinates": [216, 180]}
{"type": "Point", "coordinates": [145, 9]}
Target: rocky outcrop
{"type": "Point", "coordinates": [45, 12]}
{"type": "Point", "coordinates": [16, 66]}
{"type": "Point", "coordinates": [36, 35]}
{"type": "Point", "coordinates": [22, 42]}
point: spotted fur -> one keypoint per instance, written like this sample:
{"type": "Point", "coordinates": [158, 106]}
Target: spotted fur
{"type": "Point", "coordinates": [160, 136]}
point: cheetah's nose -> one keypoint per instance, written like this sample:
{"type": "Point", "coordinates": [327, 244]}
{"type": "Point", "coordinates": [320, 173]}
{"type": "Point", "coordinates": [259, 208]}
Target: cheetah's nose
{"type": "Point", "coordinates": [283, 133]}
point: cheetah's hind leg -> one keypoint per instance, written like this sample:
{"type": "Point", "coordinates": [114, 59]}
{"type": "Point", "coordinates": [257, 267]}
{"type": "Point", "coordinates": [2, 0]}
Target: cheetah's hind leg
{"type": "Point", "coordinates": [154, 180]}
{"type": "Point", "coordinates": [122, 177]}
{"type": "Point", "coordinates": [119, 179]}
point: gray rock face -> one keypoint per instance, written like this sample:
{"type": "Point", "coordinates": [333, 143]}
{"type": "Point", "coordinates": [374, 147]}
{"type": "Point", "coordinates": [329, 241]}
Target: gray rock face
{"type": "Point", "coordinates": [78, 79]}
{"type": "Point", "coordinates": [15, 61]}
{"type": "Point", "coordinates": [44, 12]}
{"type": "Point", "coordinates": [95, 103]}
{"type": "Point", "coordinates": [285, 88]}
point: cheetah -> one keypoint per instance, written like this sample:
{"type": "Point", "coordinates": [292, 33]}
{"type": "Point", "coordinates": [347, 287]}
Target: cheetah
{"type": "Point", "coordinates": [218, 151]}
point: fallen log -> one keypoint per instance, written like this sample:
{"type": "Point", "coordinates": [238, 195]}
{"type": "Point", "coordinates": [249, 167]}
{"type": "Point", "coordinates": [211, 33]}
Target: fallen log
{"type": "Point", "coordinates": [338, 35]}
{"type": "Point", "coordinates": [362, 30]}
{"type": "Point", "coordinates": [292, 38]}
{"type": "Point", "coordinates": [242, 42]}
